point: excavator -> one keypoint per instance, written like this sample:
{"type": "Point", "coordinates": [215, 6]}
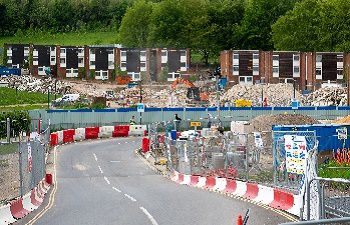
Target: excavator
{"type": "Point", "coordinates": [195, 94]}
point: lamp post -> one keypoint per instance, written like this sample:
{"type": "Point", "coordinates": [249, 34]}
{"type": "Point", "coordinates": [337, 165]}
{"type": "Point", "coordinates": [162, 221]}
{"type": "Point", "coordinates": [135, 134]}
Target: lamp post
{"type": "Point", "coordinates": [140, 100]}
{"type": "Point", "coordinates": [48, 97]}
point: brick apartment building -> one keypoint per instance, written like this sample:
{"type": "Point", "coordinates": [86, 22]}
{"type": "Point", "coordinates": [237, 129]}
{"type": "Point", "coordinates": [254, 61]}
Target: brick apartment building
{"type": "Point", "coordinates": [309, 70]}
{"type": "Point", "coordinates": [99, 62]}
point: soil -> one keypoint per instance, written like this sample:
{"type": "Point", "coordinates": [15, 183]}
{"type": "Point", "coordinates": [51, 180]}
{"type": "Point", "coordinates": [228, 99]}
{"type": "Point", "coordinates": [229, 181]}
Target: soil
{"type": "Point", "coordinates": [9, 177]}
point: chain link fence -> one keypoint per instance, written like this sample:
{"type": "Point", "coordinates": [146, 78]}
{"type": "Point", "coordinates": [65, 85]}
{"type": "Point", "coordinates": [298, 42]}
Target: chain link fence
{"type": "Point", "coordinates": [22, 164]}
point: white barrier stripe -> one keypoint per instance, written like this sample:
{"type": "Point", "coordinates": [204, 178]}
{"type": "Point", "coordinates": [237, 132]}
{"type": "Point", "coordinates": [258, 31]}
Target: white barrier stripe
{"type": "Point", "coordinates": [116, 189]}
{"type": "Point", "coordinates": [175, 177]}
{"type": "Point", "coordinates": [27, 203]}
{"type": "Point", "coordinates": [265, 195]}
{"type": "Point", "coordinates": [187, 180]}
{"type": "Point", "coordinates": [201, 182]}
{"type": "Point", "coordinates": [295, 210]}
{"type": "Point", "coordinates": [241, 188]}
{"type": "Point", "coordinates": [220, 184]}
{"type": "Point", "coordinates": [95, 156]}
{"type": "Point", "coordinates": [101, 171]}
{"type": "Point", "coordinates": [5, 215]}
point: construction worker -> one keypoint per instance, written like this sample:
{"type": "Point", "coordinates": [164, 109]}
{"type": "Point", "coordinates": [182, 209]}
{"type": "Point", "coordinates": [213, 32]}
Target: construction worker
{"type": "Point", "coordinates": [132, 121]}
{"type": "Point", "coordinates": [177, 121]}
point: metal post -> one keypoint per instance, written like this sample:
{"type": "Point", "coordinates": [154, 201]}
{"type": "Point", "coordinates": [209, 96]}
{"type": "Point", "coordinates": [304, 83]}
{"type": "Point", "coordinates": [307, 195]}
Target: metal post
{"type": "Point", "coordinates": [140, 101]}
{"type": "Point", "coordinates": [20, 169]}
{"type": "Point", "coordinates": [48, 98]}
{"type": "Point", "coordinates": [294, 88]}
{"type": "Point", "coordinates": [55, 88]}
{"type": "Point", "coordinates": [8, 129]}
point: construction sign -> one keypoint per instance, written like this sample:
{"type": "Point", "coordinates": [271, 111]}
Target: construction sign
{"type": "Point", "coordinates": [195, 124]}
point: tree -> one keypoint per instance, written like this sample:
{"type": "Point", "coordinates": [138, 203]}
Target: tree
{"type": "Point", "coordinates": [134, 29]}
{"type": "Point", "coordinates": [314, 25]}
{"type": "Point", "coordinates": [260, 15]}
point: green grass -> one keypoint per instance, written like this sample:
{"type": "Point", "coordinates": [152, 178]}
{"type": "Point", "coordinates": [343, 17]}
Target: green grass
{"type": "Point", "coordinates": [8, 149]}
{"type": "Point", "coordinates": [8, 96]}
{"type": "Point", "coordinates": [71, 38]}
{"type": "Point", "coordinates": [334, 170]}
{"type": "Point", "coordinates": [22, 107]}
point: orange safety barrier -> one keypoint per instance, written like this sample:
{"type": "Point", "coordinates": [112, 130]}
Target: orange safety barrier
{"type": "Point", "coordinates": [53, 139]}
{"type": "Point", "coordinates": [194, 180]}
{"type": "Point", "coordinates": [210, 182]}
{"type": "Point", "coordinates": [145, 145]}
{"type": "Point", "coordinates": [231, 186]}
{"type": "Point", "coordinates": [17, 209]}
{"type": "Point", "coordinates": [121, 131]}
{"type": "Point", "coordinates": [68, 135]}
{"type": "Point", "coordinates": [91, 132]}
{"type": "Point", "coordinates": [282, 200]}
{"type": "Point", "coordinates": [252, 191]}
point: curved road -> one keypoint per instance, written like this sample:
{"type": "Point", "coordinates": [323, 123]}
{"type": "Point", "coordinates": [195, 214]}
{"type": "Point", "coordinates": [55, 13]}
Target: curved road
{"type": "Point", "coordinates": [103, 182]}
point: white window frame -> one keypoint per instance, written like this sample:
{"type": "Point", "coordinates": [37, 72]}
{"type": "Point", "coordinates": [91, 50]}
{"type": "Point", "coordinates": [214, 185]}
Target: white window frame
{"type": "Point", "coordinates": [244, 80]}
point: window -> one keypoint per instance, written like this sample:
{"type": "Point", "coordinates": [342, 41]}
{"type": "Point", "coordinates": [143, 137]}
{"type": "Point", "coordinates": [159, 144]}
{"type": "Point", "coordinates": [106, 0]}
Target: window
{"type": "Point", "coordinates": [235, 56]}
{"type": "Point", "coordinates": [75, 70]}
{"type": "Point", "coordinates": [35, 58]}
{"type": "Point", "coordinates": [104, 73]}
{"type": "Point", "coordinates": [52, 49]}
{"type": "Point", "coordinates": [256, 68]}
{"type": "Point", "coordinates": [62, 50]}
{"type": "Point", "coordinates": [183, 53]}
{"type": "Point", "coordinates": [275, 57]}
{"type": "Point", "coordinates": [109, 51]}
{"type": "Point", "coordinates": [136, 76]}
{"type": "Point", "coordinates": [142, 64]}
{"type": "Point", "coordinates": [80, 50]}
{"type": "Point", "coordinates": [339, 58]}
{"type": "Point", "coordinates": [92, 63]}
{"type": "Point", "coordinates": [92, 51]}
{"type": "Point", "coordinates": [26, 48]}
{"type": "Point", "coordinates": [80, 60]}
{"type": "Point", "coordinates": [296, 57]}
{"type": "Point", "coordinates": [236, 68]}
{"type": "Point", "coordinates": [276, 69]}
{"type": "Point", "coordinates": [249, 79]}
{"type": "Point", "coordinates": [164, 53]}
{"type": "Point", "coordinates": [241, 79]}
{"type": "Point", "coordinates": [318, 58]}
{"type": "Point", "coordinates": [41, 69]}
{"type": "Point", "coordinates": [143, 53]}
{"type": "Point", "coordinates": [296, 69]}
{"type": "Point", "coordinates": [123, 64]}
{"type": "Point", "coordinates": [123, 53]}
{"type": "Point", "coordinates": [9, 57]}
{"type": "Point", "coordinates": [255, 56]}
{"type": "Point", "coordinates": [62, 60]}
{"type": "Point", "coordinates": [110, 63]}
{"type": "Point", "coordinates": [53, 59]}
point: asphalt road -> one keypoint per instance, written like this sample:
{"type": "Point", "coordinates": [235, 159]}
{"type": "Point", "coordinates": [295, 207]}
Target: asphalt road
{"type": "Point", "coordinates": [104, 182]}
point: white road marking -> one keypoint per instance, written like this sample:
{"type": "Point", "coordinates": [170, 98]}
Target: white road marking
{"type": "Point", "coordinates": [101, 171]}
{"type": "Point", "coordinates": [150, 217]}
{"type": "Point", "coordinates": [126, 142]}
{"type": "Point", "coordinates": [129, 197]}
{"type": "Point", "coordinates": [116, 161]}
{"type": "Point", "coordinates": [119, 143]}
{"type": "Point", "coordinates": [106, 179]}
{"type": "Point", "coordinates": [116, 189]}
{"type": "Point", "coordinates": [95, 156]}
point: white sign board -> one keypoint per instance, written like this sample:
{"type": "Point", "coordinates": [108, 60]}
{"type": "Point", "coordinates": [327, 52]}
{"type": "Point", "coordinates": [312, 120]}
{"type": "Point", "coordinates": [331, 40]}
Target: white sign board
{"type": "Point", "coordinates": [296, 154]}
{"type": "Point", "coordinates": [342, 133]}
{"type": "Point", "coordinates": [140, 107]}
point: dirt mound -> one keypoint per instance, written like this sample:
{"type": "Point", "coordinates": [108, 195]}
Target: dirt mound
{"type": "Point", "coordinates": [343, 120]}
{"type": "Point", "coordinates": [265, 122]}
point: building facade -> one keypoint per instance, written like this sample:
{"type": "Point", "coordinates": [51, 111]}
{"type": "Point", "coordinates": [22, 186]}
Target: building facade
{"type": "Point", "coordinates": [100, 62]}
{"type": "Point", "coordinates": [308, 70]}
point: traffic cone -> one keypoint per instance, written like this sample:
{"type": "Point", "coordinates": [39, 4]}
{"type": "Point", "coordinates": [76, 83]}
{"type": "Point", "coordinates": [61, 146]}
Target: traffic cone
{"type": "Point", "coordinates": [239, 220]}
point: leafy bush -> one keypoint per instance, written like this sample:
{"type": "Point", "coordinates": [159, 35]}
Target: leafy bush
{"type": "Point", "coordinates": [20, 121]}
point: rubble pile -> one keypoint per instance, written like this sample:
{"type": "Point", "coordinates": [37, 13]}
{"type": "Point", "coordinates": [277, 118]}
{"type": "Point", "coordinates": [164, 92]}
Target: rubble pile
{"type": "Point", "coordinates": [276, 94]}
{"type": "Point", "coordinates": [153, 98]}
{"type": "Point", "coordinates": [327, 96]}
{"type": "Point", "coordinates": [33, 84]}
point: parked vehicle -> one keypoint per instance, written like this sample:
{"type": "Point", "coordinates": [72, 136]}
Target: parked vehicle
{"type": "Point", "coordinates": [66, 99]}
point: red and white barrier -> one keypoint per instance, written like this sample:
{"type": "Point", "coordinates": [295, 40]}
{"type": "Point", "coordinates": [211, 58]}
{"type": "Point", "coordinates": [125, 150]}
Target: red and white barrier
{"type": "Point", "coordinates": [106, 131]}
{"type": "Point", "coordinates": [270, 196]}
{"type": "Point", "coordinates": [79, 134]}
{"type": "Point", "coordinates": [21, 207]}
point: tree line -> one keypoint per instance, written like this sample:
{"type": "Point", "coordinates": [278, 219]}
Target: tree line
{"type": "Point", "coordinates": [207, 26]}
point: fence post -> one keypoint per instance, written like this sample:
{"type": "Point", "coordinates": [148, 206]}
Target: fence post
{"type": "Point", "coordinates": [8, 130]}
{"type": "Point", "coordinates": [20, 169]}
